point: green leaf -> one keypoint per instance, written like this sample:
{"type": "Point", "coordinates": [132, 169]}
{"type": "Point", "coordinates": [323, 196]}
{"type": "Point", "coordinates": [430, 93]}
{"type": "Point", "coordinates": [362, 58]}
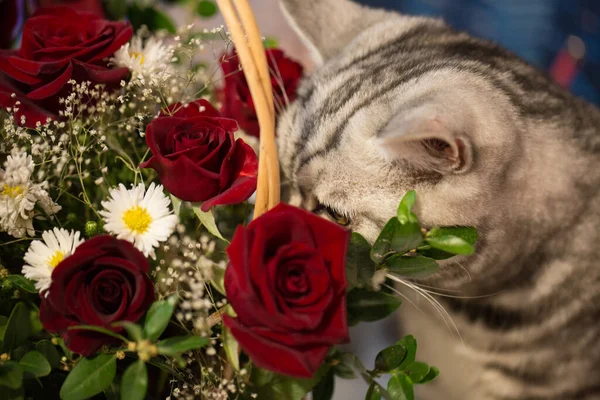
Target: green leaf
{"type": "Point", "coordinates": [274, 386]}
{"type": "Point", "coordinates": [431, 375]}
{"type": "Point", "coordinates": [11, 375]}
{"type": "Point", "coordinates": [325, 387]}
{"type": "Point", "coordinates": [153, 18]}
{"type": "Point", "coordinates": [430, 252]}
{"type": "Point", "coordinates": [467, 233]}
{"type": "Point", "coordinates": [134, 383]}
{"type": "Point", "coordinates": [359, 267]}
{"type": "Point", "coordinates": [383, 245]}
{"type": "Point", "coordinates": [218, 279]}
{"type": "Point", "coordinates": [89, 377]}
{"type": "Point", "coordinates": [390, 358]}
{"type": "Point", "coordinates": [271, 43]}
{"type": "Point", "coordinates": [134, 331]}
{"type": "Point", "coordinates": [36, 324]}
{"type": "Point", "coordinates": [7, 393]}
{"type": "Point", "coordinates": [417, 371]}
{"type": "Point", "coordinates": [374, 393]}
{"type": "Point", "coordinates": [411, 266]}
{"type": "Point", "coordinates": [22, 282]}
{"type": "Point", "coordinates": [400, 387]}
{"type": "Point", "coordinates": [206, 8]}
{"type": "Point", "coordinates": [176, 204]}
{"type": "Point", "coordinates": [49, 351]}
{"type": "Point", "coordinates": [231, 348]}
{"type": "Point", "coordinates": [208, 220]}
{"type": "Point", "coordinates": [410, 344]}
{"type": "Point", "coordinates": [3, 323]}
{"type": "Point", "coordinates": [406, 237]}
{"type": "Point", "coordinates": [36, 364]}
{"type": "Point", "coordinates": [404, 213]}
{"type": "Point", "coordinates": [181, 344]}
{"type": "Point", "coordinates": [364, 305]}
{"type": "Point", "coordinates": [117, 9]}
{"type": "Point", "coordinates": [451, 244]}
{"type": "Point", "coordinates": [17, 328]}
{"type": "Point", "coordinates": [158, 317]}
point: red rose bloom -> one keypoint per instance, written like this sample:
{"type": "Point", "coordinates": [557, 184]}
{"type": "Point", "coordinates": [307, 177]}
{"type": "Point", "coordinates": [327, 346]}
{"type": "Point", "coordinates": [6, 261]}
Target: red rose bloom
{"type": "Point", "coordinates": [105, 280]}
{"type": "Point", "coordinates": [197, 157]}
{"type": "Point", "coordinates": [235, 95]}
{"type": "Point", "coordinates": [286, 281]}
{"type": "Point", "coordinates": [59, 44]}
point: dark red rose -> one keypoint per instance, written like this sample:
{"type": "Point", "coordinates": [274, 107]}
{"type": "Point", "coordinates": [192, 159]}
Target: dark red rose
{"type": "Point", "coordinates": [105, 280]}
{"type": "Point", "coordinates": [235, 95]}
{"type": "Point", "coordinates": [286, 280]}
{"type": "Point", "coordinates": [59, 44]}
{"type": "Point", "coordinates": [91, 6]}
{"type": "Point", "coordinates": [10, 11]}
{"type": "Point", "coordinates": [197, 157]}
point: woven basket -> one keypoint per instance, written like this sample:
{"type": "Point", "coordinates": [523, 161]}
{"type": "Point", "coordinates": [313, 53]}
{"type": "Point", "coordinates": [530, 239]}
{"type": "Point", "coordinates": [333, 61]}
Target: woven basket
{"type": "Point", "coordinates": [246, 37]}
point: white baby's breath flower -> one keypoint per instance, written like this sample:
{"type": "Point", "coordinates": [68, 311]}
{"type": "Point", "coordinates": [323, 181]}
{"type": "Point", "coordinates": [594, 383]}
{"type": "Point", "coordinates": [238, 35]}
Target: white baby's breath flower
{"type": "Point", "coordinates": [44, 255]}
{"type": "Point", "coordinates": [19, 196]}
{"type": "Point", "coordinates": [144, 59]}
{"type": "Point", "coordinates": [143, 219]}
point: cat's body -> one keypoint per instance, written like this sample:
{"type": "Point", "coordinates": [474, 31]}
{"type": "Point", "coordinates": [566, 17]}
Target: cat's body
{"type": "Point", "coordinates": [486, 140]}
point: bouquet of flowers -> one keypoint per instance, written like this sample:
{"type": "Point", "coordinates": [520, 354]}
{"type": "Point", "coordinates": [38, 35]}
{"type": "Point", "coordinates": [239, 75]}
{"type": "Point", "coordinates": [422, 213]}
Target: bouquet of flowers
{"type": "Point", "coordinates": [129, 264]}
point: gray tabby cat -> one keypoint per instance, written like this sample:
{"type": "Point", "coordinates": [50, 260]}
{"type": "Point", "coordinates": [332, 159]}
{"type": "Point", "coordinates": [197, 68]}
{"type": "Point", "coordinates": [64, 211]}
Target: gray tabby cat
{"type": "Point", "coordinates": [402, 103]}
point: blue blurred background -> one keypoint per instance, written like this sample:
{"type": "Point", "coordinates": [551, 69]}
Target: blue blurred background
{"type": "Point", "coordinates": [560, 36]}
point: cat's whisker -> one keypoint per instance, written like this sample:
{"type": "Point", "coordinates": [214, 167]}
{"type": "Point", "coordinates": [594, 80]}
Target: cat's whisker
{"type": "Point", "coordinates": [450, 324]}
{"type": "Point", "coordinates": [396, 291]}
{"type": "Point", "coordinates": [451, 295]}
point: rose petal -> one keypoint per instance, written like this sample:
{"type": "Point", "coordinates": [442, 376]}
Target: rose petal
{"type": "Point", "coordinates": [52, 87]}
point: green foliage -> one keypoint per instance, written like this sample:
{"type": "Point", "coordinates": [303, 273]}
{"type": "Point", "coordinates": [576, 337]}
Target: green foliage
{"type": "Point", "coordinates": [359, 267]}
{"type": "Point", "coordinates": [134, 331]}
{"type": "Point", "coordinates": [272, 386]}
{"type": "Point", "coordinates": [400, 387]}
{"type": "Point", "coordinates": [324, 389]}
{"type": "Point", "coordinates": [208, 220]}
{"type": "Point", "coordinates": [218, 279]}
{"type": "Point", "coordinates": [206, 8]}
{"type": "Point", "coordinates": [390, 358]}
{"type": "Point", "coordinates": [231, 347]}
{"type": "Point", "coordinates": [11, 374]}
{"type": "Point", "coordinates": [374, 392]}
{"type": "Point", "coordinates": [22, 283]}
{"type": "Point", "coordinates": [35, 364]}
{"type": "Point", "coordinates": [368, 306]}
{"type": "Point", "coordinates": [89, 377]}
{"type": "Point", "coordinates": [181, 344]}
{"type": "Point", "coordinates": [17, 329]}
{"type": "Point", "coordinates": [404, 213]}
{"type": "Point", "coordinates": [158, 317]}
{"type": "Point", "coordinates": [411, 266]}
{"type": "Point", "coordinates": [49, 351]}
{"type": "Point", "coordinates": [271, 43]}
{"type": "Point", "coordinates": [134, 383]}
{"type": "Point", "coordinates": [153, 18]}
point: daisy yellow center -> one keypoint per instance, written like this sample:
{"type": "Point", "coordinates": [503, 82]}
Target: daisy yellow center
{"type": "Point", "coordinates": [137, 219]}
{"type": "Point", "coordinates": [56, 258]}
{"type": "Point", "coordinates": [12, 191]}
{"type": "Point", "coordinates": [137, 56]}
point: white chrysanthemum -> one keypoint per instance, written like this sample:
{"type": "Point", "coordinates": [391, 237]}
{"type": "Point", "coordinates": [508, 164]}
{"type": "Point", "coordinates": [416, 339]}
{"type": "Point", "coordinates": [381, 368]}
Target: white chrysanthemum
{"type": "Point", "coordinates": [19, 196]}
{"type": "Point", "coordinates": [144, 59]}
{"type": "Point", "coordinates": [143, 219]}
{"type": "Point", "coordinates": [44, 255]}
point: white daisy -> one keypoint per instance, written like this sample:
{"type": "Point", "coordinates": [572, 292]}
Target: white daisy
{"type": "Point", "coordinates": [142, 219]}
{"type": "Point", "coordinates": [144, 59]}
{"type": "Point", "coordinates": [19, 196]}
{"type": "Point", "coordinates": [44, 255]}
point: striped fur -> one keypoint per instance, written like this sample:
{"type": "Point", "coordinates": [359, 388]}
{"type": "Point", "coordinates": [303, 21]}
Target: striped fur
{"type": "Point", "coordinates": [355, 141]}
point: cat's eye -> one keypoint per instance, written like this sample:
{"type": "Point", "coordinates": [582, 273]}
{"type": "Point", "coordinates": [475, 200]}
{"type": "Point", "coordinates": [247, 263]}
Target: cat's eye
{"type": "Point", "coordinates": [337, 217]}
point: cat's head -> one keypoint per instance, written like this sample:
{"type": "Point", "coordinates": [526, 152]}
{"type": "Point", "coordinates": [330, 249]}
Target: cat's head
{"type": "Point", "coordinates": [400, 103]}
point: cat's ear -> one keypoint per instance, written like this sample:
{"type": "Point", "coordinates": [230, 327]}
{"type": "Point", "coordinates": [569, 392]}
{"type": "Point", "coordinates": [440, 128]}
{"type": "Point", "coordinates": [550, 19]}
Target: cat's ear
{"type": "Point", "coordinates": [326, 26]}
{"type": "Point", "coordinates": [428, 138]}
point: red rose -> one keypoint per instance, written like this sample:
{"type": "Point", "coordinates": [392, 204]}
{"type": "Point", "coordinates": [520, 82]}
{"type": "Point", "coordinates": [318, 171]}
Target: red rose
{"type": "Point", "coordinates": [235, 95]}
{"type": "Point", "coordinates": [59, 44]}
{"type": "Point", "coordinates": [286, 281]}
{"type": "Point", "coordinates": [9, 17]}
{"type": "Point", "coordinates": [105, 280]}
{"type": "Point", "coordinates": [197, 158]}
